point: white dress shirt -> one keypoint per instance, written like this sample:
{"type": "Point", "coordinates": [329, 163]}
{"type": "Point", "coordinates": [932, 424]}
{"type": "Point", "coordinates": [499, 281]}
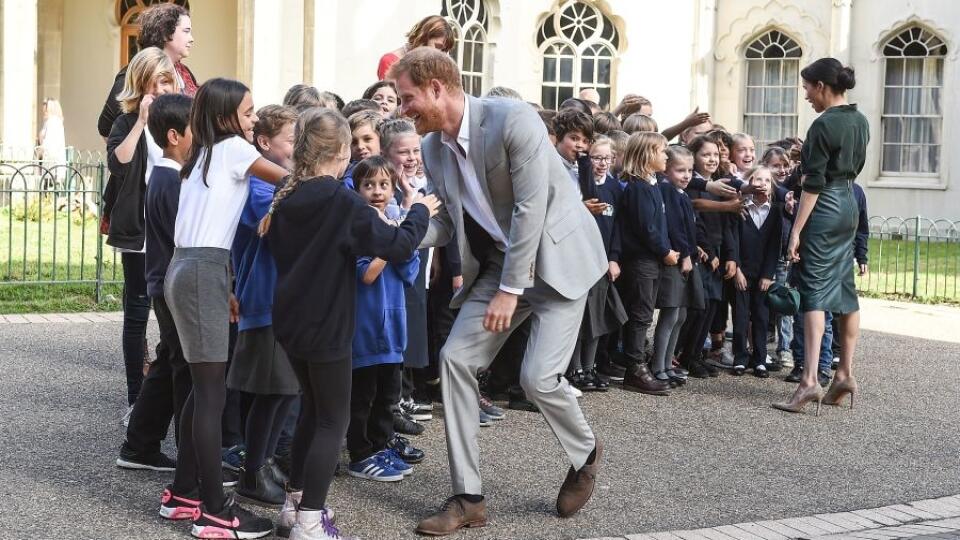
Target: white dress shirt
{"type": "Point", "coordinates": [758, 213]}
{"type": "Point", "coordinates": [474, 201]}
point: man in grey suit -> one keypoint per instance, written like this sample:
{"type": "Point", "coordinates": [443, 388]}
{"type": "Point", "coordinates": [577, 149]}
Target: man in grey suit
{"type": "Point", "coordinates": [528, 248]}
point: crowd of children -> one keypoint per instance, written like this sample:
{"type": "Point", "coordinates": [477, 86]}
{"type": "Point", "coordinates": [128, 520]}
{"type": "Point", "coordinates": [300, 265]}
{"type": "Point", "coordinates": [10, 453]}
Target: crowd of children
{"type": "Point", "coordinates": [300, 223]}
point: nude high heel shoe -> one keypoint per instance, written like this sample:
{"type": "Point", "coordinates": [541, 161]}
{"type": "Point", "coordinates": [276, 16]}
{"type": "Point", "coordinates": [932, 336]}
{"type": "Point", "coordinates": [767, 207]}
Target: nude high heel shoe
{"type": "Point", "coordinates": [800, 398]}
{"type": "Point", "coordinates": [838, 389]}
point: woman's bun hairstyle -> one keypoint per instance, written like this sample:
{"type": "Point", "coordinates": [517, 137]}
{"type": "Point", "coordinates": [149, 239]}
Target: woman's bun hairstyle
{"type": "Point", "coordinates": [830, 72]}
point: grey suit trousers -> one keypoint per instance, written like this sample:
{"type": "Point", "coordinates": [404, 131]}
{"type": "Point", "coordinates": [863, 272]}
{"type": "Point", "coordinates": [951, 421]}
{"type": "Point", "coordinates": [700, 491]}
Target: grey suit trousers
{"type": "Point", "coordinates": [470, 348]}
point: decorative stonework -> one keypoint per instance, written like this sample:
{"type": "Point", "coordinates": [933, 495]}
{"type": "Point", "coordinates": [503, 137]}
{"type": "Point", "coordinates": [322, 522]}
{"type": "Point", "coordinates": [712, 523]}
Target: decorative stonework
{"type": "Point", "coordinates": [876, 51]}
{"type": "Point", "coordinates": [775, 14]}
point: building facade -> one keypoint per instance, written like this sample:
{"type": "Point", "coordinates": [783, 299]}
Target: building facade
{"type": "Point", "coordinates": [738, 59]}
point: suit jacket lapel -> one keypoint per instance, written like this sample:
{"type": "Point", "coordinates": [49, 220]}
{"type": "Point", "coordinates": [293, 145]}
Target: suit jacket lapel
{"type": "Point", "coordinates": [477, 149]}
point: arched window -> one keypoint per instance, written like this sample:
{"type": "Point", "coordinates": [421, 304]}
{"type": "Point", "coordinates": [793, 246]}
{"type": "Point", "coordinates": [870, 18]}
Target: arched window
{"type": "Point", "coordinates": [773, 71]}
{"type": "Point", "coordinates": [912, 116]}
{"type": "Point", "coordinates": [579, 45]}
{"type": "Point", "coordinates": [128, 17]}
{"type": "Point", "coordinates": [469, 21]}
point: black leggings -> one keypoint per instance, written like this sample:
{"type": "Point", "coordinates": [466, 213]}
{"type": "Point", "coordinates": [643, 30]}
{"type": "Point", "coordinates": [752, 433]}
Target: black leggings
{"type": "Point", "coordinates": [264, 424]}
{"type": "Point", "coordinates": [324, 416]}
{"type": "Point", "coordinates": [136, 312]}
{"type": "Point", "coordinates": [198, 460]}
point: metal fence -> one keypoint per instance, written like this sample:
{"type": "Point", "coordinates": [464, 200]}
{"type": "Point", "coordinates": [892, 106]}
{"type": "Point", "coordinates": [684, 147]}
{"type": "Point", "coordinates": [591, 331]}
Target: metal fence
{"type": "Point", "coordinates": [50, 215]}
{"type": "Point", "coordinates": [916, 257]}
{"type": "Point", "coordinates": [49, 222]}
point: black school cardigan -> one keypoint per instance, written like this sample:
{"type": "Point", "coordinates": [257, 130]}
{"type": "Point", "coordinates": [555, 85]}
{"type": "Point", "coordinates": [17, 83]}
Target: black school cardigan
{"type": "Point", "coordinates": [318, 231]}
{"type": "Point", "coordinates": [124, 197]}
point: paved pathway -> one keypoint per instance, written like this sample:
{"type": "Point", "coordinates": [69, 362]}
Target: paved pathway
{"type": "Point", "coordinates": [711, 455]}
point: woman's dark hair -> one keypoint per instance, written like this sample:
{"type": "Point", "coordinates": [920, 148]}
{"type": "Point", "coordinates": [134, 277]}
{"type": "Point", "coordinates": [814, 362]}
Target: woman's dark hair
{"type": "Point", "coordinates": [358, 105]}
{"type": "Point", "coordinates": [158, 23]}
{"type": "Point", "coordinates": [830, 72]}
{"type": "Point", "coordinates": [569, 120]}
{"type": "Point", "coordinates": [720, 136]}
{"type": "Point", "coordinates": [430, 27]}
{"type": "Point", "coordinates": [370, 167]}
{"type": "Point", "coordinates": [213, 119]}
{"type": "Point", "coordinates": [372, 89]}
{"type": "Point", "coordinates": [576, 104]}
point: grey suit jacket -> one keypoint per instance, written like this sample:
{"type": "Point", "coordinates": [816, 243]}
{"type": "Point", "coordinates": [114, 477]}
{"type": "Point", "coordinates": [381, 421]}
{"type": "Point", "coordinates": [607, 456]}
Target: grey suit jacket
{"type": "Point", "coordinates": [551, 234]}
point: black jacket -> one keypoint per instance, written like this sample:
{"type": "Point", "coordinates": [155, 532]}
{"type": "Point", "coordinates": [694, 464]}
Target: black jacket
{"type": "Point", "coordinates": [642, 223]}
{"type": "Point", "coordinates": [123, 199]}
{"type": "Point", "coordinates": [318, 231]}
{"type": "Point", "coordinates": [758, 250]}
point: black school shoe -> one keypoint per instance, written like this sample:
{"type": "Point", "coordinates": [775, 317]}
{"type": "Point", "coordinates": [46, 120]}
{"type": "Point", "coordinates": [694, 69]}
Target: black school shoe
{"type": "Point", "coordinates": [518, 401]}
{"type": "Point", "coordinates": [145, 462]}
{"type": "Point", "coordinates": [760, 372]}
{"type": "Point", "coordinates": [698, 369]}
{"type": "Point", "coordinates": [612, 371]}
{"type": "Point", "coordinates": [796, 374]}
{"type": "Point", "coordinates": [233, 521]}
{"type": "Point", "coordinates": [260, 488]}
{"type": "Point", "coordinates": [402, 423]}
{"type": "Point", "coordinates": [600, 383]}
{"type": "Point", "coordinates": [406, 451]}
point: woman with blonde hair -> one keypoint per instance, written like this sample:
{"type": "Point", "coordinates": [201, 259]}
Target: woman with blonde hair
{"type": "Point", "coordinates": [52, 141]}
{"type": "Point", "coordinates": [432, 31]}
{"type": "Point", "coordinates": [131, 155]}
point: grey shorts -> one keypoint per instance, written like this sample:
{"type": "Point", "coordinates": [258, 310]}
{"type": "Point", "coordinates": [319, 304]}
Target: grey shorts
{"type": "Point", "coordinates": [197, 291]}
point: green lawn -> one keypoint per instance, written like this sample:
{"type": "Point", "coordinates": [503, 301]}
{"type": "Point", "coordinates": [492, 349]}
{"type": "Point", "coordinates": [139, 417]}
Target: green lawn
{"type": "Point", "coordinates": [891, 270]}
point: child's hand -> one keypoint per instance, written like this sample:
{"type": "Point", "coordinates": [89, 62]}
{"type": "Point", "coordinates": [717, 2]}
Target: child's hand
{"type": "Point", "coordinates": [701, 254]}
{"type": "Point", "coordinates": [432, 203]}
{"type": "Point", "coordinates": [595, 206]}
{"type": "Point", "coordinates": [671, 258]}
{"type": "Point", "coordinates": [714, 264]}
{"type": "Point", "coordinates": [234, 309]}
{"type": "Point", "coordinates": [457, 283]}
{"type": "Point", "coordinates": [765, 284]}
{"type": "Point", "coordinates": [613, 270]}
{"type": "Point", "coordinates": [696, 118]}
{"type": "Point", "coordinates": [740, 281]}
{"type": "Point", "coordinates": [144, 113]}
{"type": "Point", "coordinates": [686, 265]}
{"type": "Point", "coordinates": [730, 270]}
{"type": "Point", "coordinates": [721, 189]}
{"type": "Point", "coordinates": [790, 203]}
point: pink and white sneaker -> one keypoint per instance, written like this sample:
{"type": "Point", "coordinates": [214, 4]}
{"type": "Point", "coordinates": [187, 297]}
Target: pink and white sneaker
{"type": "Point", "coordinates": [175, 507]}
{"type": "Point", "coordinates": [233, 521]}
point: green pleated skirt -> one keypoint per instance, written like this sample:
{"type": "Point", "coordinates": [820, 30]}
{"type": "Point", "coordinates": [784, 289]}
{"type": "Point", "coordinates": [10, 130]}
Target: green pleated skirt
{"type": "Point", "coordinates": [826, 252]}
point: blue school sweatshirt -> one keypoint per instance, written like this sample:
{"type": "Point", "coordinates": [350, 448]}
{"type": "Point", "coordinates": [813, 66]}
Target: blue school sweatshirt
{"type": "Point", "coordinates": [380, 336]}
{"type": "Point", "coordinates": [256, 273]}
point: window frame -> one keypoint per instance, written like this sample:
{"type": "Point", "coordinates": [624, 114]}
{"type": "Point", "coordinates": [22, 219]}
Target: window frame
{"type": "Point", "coordinates": [762, 60]}
{"type": "Point", "coordinates": [581, 51]}
{"type": "Point", "coordinates": [912, 179]}
{"type": "Point", "coordinates": [478, 20]}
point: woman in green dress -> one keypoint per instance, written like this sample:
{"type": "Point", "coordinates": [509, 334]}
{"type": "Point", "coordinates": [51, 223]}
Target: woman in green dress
{"type": "Point", "coordinates": [821, 242]}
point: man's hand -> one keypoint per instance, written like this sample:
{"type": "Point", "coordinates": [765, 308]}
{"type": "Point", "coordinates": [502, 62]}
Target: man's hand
{"type": "Point", "coordinates": [595, 206]}
{"type": "Point", "coordinates": [765, 284]}
{"type": "Point", "coordinates": [613, 270]}
{"type": "Point", "coordinates": [500, 312]}
{"type": "Point", "coordinates": [671, 258]}
{"type": "Point", "coordinates": [721, 189]}
{"type": "Point", "coordinates": [457, 283]}
{"type": "Point", "coordinates": [730, 270]}
{"type": "Point", "coordinates": [234, 309]}
{"type": "Point", "coordinates": [740, 281]}
{"type": "Point", "coordinates": [432, 203]}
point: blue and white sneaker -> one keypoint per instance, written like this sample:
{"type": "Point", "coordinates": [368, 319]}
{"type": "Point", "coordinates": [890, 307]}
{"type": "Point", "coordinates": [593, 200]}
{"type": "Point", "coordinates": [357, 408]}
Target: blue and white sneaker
{"type": "Point", "coordinates": [234, 457]}
{"type": "Point", "coordinates": [375, 467]}
{"type": "Point", "coordinates": [397, 462]}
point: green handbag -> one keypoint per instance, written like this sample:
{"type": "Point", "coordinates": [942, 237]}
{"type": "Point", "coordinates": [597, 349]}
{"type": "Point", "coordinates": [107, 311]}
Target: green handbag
{"type": "Point", "coordinates": [783, 299]}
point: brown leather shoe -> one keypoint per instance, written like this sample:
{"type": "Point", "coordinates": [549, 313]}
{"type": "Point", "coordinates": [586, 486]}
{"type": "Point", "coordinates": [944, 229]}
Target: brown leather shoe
{"type": "Point", "coordinates": [577, 488]}
{"type": "Point", "coordinates": [639, 379]}
{"type": "Point", "coordinates": [455, 513]}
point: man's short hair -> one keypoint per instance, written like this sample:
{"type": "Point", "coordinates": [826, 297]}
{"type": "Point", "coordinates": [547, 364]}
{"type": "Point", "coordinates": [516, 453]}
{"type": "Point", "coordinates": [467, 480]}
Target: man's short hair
{"type": "Point", "coordinates": [425, 64]}
{"type": "Point", "coordinates": [358, 105]}
{"type": "Point", "coordinates": [168, 111]}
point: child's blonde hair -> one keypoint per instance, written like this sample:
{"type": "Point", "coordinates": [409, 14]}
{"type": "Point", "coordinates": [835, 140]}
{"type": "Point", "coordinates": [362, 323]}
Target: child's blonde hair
{"type": "Point", "coordinates": [639, 122]}
{"type": "Point", "coordinates": [640, 154]}
{"type": "Point", "coordinates": [675, 153]}
{"type": "Point", "coordinates": [602, 140]}
{"type": "Point", "coordinates": [618, 141]}
{"type": "Point", "coordinates": [755, 170]}
{"type": "Point", "coordinates": [739, 138]}
{"type": "Point", "coordinates": [366, 118]}
{"type": "Point", "coordinates": [271, 120]}
{"type": "Point", "coordinates": [390, 130]}
{"type": "Point", "coordinates": [147, 66]}
{"type": "Point", "coordinates": [320, 136]}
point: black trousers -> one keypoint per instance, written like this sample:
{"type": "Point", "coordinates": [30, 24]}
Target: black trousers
{"type": "Point", "coordinates": [164, 391]}
{"type": "Point", "coordinates": [372, 396]}
{"type": "Point", "coordinates": [136, 313]}
{"type": "Point", "coordinates": [750, 312]}
{"type": "Point", "coordinates": [694, 332]}
{"type": "Point", "coordinates": [641, 283]}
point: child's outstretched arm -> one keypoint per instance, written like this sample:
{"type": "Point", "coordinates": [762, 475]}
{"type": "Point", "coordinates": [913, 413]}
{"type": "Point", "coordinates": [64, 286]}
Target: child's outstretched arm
{"type": "Point", "coordinates": [372, 237]}
{"type": "Point", "coordinates": [267, 170]}
{"type": "Point", "coordinates": [373, 270]}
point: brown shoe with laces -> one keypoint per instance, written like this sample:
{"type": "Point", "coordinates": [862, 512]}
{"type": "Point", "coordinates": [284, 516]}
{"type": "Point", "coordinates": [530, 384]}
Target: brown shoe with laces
{"type": "Point", "coordinates": [578, 487]}
{"type": "Point", "coordinates": [456, 513]}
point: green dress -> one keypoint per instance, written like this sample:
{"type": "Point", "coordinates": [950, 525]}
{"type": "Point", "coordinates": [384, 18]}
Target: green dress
{"type": "Point", "coordinates": [833, 154]}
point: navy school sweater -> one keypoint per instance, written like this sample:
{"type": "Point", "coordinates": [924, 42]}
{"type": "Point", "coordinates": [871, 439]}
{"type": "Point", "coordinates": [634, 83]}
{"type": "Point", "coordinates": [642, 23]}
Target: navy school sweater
{"type": "Point", "coordinates": [318, 231]}
{"type": "Point", "coordinates": [160, 207]}
{"type": "Point", "coordinates": [681, 220]}
{"type": "Point", "coordinates": [642, 223]}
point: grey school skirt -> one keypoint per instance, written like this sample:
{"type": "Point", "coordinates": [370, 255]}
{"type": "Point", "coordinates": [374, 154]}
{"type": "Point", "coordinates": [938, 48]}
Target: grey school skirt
{"type": "Point", "coordinates": [197, 290]}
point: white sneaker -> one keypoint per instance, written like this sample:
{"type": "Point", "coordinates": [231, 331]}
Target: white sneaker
{"type": "Point", "coordinates": [288, 513]}
{"type": "Point", "coordinates": [786, 358]}
{"type": "Point", "coordinates": [315, 525]}
{"type": "Point", "coordinates": [126, 417]}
